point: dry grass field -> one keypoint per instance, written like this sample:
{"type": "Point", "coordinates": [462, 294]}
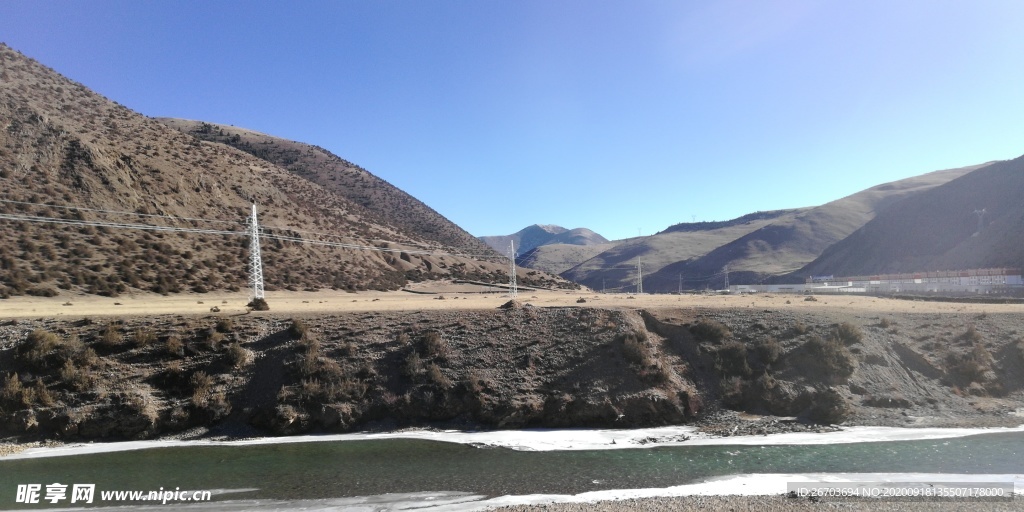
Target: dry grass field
{"type": "Point", "coordinates": [455, 297]}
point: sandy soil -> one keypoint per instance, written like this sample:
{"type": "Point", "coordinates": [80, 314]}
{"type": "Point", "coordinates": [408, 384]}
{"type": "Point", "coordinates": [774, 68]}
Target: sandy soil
{"type": "Point", "coordinates": [448, 296]}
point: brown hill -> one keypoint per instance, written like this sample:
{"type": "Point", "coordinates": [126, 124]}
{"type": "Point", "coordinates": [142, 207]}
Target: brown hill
{"type": "Point", "coordinates": [71, 156]}
{"type": "Point", "coordinates": [939, 230]}
{"type": "Point", "coordinates": [755, 247]}
{"type": "Point", "coordinates": [380, 199]}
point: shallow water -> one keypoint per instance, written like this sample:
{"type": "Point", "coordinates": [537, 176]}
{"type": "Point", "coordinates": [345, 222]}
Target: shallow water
{"type": "Point", "coordinates": [370, 467]}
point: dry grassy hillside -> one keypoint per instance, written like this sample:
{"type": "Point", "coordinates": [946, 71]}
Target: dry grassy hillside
{"type": "Point", "coordinates": [66, 153]}
{"type": "Point", "coordinates": [756, 247]}
{"type": "Point", "coordinates": [379, 199]}
{"type": "Point", "coordinates": [939, 229]}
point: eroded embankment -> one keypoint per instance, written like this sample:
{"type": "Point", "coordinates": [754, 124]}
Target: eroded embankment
{"type": "Point", "coordinates": [507, 368]}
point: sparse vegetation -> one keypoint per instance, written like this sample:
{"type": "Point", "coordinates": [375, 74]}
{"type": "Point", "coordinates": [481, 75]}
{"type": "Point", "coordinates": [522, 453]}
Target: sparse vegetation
{"type": "Point", "coordinates": [833, 357]}
{"type": "Point", "coordinates": [432, 345]}
{"type": "Point", "coordinates": [848, 333]}
{"type": "Point", "coordinates": [298, 329]}
{"type": "Point", "coordinates": [710, 330]}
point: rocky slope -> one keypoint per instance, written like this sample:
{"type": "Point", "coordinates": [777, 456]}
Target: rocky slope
{"type": "Point", "coordinates": [380, 199]}
{"type": "Point", "coordinates": [508, 368]}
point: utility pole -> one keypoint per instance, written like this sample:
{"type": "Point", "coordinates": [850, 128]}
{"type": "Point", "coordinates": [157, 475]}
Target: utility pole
{"type": "Point", "coordinates": [255, 262]}
{"type": "Point", "coordinates": [639, 276]}
{"type": "Point", "coordinates": [513, 291]}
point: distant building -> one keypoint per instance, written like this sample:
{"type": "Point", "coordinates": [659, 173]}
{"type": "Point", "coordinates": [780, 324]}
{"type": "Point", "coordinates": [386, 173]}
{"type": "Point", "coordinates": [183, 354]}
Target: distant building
{"type": "Point", "coordinates": [973, 281]}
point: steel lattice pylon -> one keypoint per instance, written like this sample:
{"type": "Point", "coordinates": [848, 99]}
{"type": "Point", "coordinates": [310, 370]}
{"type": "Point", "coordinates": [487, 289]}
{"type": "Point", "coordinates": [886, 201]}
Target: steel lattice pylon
{"type": "Point", "coordinates": [512, 287]}
{"type": "Point", "coordinates": [255, 262]}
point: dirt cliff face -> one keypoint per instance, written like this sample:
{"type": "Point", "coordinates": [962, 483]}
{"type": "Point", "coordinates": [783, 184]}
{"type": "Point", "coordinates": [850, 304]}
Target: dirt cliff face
{"type": "Point", "coordinates": [508, 368]}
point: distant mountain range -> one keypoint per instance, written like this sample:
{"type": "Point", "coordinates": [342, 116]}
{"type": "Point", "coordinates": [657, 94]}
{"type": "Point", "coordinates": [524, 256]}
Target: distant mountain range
{"type": "Point", "coordinates": [537, 235]}
{"type": "Point", "coordinates": [76, 167]}
{"type": "Point", "coordinates": [781, 245]}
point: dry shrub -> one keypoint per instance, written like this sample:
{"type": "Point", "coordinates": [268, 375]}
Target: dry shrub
{"type": "Point", "coordinates": [433, 345]}
{"type": "Point", "coordinates": [298, 329]}
{"type": "Point", "coordinates": [437, 378]}
{"type": "Point", "coordinates": [38, 345]}
{"type": "Point", "coordinates": [258, 305]}
{"type": "Point", "coordinates": [413, 365]}
{"type": "Point", "coordinates": [239, 356]}
{"type": "Point", "coordinates": [635, 350]}
{"type": "Point", "coordinates": [970, 336]}
{"type": "Point", "coordinates": [225, 325]}
{"type": "Point", "coordinates": [143, 337]}
{"type": "Point", "coordinates": [848, 333]}
{"type": "Point", "coordinates": [11, 392]}
{"type": "Point", "coordinates": [42, 394]}
{"type": "Point", "coordinates": [769, 350]}
{"type": "Point", "coordinates": [731, 359]}
{"type": "Point", "coordinates": [77, 378]}
{"type": "Point", "coordinates": [174, 346]}
{"type": "Point", "coordinates": [797, 329]}
{"type": "Point", "coordinates": [832, 356]}
{"type": "Point", "coordinates": [110, 335]}
{"type": "Point", "coordinates": [973, 366]}
{"type": "Point", "coordinates": [710, 330]}
{"type": "Point", "coordinates": [201, 385]}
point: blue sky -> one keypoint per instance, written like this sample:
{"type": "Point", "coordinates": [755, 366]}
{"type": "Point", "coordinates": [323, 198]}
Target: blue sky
{"type": "Point", "coordinates": [618, 116]}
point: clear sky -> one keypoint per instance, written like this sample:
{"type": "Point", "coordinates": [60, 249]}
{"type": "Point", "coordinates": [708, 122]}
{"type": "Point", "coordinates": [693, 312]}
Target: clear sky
{"type": "Point", "coordinates": [616, 116]}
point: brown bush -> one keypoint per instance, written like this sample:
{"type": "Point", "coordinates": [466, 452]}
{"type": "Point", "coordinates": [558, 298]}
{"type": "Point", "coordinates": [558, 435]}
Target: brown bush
{"type": "Point", "coordinates": [110, 335]}
{"type": "Point", "coordinates": [77, 378]}
{"type": "Point", "coordinates": [38, 345]}
{"type": "Point", "coordinates": [848, 333]}
{"type": "Point", "coordinates": [413, 365]}
{"type": "Point", "coordinates": [971, 335]}
{"type": "Point", "coordinates": [143, 337]}
{"type": "Point", "coordinates": [225, 325]}
{"type": "Point", "coordinates": [433, 345]}
{"type": "Point", "coordinates": [298, 329]}
{"type": "Point", "coordinates": [710, 330]}
{"type": "Point", "coordinates": [636, 351]}
{"type": "Point", "coordinates": [833, 357]}
{"type": "Point", "coordinates": [174, 346]}
{"type": "Point", "coordinates": [238, 356]}
{"type": "Point", "coordinates": [731, 359]}
{"type": "Point", "coordinates": [437, 378]}
{"type": "Point", "coordinates": [769, 350]}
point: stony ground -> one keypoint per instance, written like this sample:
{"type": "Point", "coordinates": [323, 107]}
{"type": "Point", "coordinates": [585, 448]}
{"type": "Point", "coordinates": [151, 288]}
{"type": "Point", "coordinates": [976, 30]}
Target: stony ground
{"type": "Point", "coordinates": [590, 363]}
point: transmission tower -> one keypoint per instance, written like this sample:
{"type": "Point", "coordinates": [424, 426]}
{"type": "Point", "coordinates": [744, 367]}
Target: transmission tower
{"type": "Point", "coordinates": [255, 262]}
{"type": "Point", "coordinates": [639, 276]}
{"type": "Point", "coordinates": [726, 270]}
{"type": "Point", "coordinates": [981, 216]}
{"type": "Point", "coordinates": [680, 283]}
{"type": "Point", "coordinates": [513, 290]}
